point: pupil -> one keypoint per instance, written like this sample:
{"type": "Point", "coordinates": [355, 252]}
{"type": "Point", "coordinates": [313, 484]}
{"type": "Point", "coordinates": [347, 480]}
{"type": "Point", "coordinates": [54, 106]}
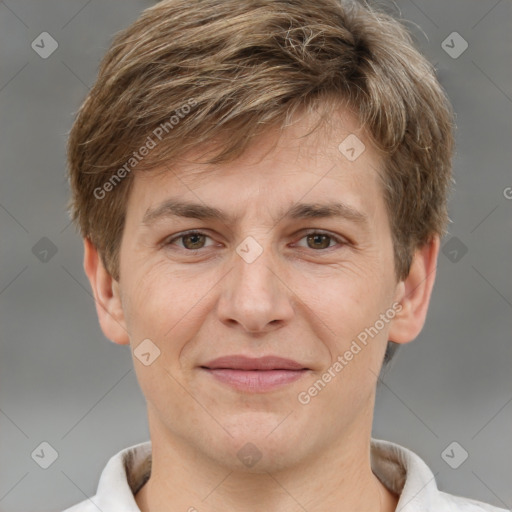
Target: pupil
{"type": "Point", "coordinates": [323, 240]}
{"type": "Point", "coordinates": [189, 237]}
{"type": "Point", "coordinates": [317, 238]}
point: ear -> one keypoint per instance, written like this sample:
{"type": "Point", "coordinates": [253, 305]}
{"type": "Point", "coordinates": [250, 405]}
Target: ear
{"type": "Point", "coordinates": [106, 296]}
{"type": "Point", "coordinates": [414, 293]}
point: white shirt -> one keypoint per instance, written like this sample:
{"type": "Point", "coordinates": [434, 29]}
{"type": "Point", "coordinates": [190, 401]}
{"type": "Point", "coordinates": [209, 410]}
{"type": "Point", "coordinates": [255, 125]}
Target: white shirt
{"type": "Point", "coordinates": [399, 469]}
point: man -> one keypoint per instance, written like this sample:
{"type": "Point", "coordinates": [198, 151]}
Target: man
{"type": "Point", "coordinates": [261, 187]}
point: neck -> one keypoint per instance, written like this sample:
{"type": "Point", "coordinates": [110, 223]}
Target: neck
{"type": "Point", "coordinates": [339, 478]}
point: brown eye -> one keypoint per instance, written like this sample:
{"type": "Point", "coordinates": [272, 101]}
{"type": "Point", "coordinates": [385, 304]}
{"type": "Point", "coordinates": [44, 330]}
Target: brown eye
{"type": "Point", "coordinates": [318, 240]}
{"type": "Point", "coordinates": [193, 241]}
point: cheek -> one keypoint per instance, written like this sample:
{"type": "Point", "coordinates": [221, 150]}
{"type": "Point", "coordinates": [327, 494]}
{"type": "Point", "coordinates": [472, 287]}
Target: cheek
{"type": "Point", "coordinates": [166, 307]}
{"type": "Point", "coordinates": [345, 297]}
{"type": "Point", "coordinates": [156, 312]}
{"type": "Point", "coordinates": [356, 347]}
{"type": "Point", "coordinates": [349, 305]}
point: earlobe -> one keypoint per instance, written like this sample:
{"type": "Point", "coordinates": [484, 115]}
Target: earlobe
{"type": "Point", "coordinates": [415, 293]}
{"type": "Point", "coordinates": [106, 296]}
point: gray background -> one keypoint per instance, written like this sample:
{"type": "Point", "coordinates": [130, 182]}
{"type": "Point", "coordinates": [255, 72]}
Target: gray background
{"type": "Point", "coordinates": [62, 382]}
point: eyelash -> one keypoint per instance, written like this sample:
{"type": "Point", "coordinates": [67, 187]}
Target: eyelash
{"type": "Point", "coordinates": [337, 239]}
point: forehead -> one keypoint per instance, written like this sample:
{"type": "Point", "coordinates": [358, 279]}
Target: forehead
{"type": "Point", "coordinates": [304, 158]}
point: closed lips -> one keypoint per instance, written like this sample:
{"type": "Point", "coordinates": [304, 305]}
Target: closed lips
{"type": "Point", "coordinates": [253, 364]}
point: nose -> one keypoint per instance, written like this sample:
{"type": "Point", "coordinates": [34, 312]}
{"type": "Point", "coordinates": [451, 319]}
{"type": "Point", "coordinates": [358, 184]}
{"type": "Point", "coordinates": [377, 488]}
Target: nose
{"type": "Point", "coordinates": [255, 296]}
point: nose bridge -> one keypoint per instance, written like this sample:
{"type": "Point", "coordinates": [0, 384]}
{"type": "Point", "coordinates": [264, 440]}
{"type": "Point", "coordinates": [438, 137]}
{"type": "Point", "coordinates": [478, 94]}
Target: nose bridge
{"type": "Point", "coordinates": [253, 295]}
{"type": "Point", "coordinates": [253, 263]}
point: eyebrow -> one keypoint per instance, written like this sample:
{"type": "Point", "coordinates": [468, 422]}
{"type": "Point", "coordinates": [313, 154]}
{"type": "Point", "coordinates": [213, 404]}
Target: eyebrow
{"type": "Point", "coordinates": [178, 208]}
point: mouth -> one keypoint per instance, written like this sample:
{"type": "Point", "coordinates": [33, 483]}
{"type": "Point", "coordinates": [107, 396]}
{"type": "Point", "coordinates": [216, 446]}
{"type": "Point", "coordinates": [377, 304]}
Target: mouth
{"type": "Point", "coordinates": [255, 374]}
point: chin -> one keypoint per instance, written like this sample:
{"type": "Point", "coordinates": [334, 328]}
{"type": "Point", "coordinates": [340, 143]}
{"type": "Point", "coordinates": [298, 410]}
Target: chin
{"type": "Point", "coordinates": [260, 443]}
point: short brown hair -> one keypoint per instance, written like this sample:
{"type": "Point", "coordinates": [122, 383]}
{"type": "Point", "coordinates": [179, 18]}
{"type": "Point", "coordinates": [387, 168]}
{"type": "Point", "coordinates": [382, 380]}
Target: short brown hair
{"type": "Point", "coordinates": [224, 70]}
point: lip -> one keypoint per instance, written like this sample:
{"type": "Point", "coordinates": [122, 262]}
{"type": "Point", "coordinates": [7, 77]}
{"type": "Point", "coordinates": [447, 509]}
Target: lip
{"type": "Point", "coordinates": [239, 362]}
{"type": "Point", "coordinates": [255, 381]}
{"type": "Point", "coordinates": [255, 375]}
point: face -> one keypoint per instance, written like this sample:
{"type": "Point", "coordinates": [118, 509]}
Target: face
{"type": "Point", "coordinates": [267, 275]}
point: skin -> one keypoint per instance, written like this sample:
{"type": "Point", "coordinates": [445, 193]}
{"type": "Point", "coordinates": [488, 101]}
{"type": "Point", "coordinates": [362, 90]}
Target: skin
{"type": "Point", "coordinates": [298, 300]}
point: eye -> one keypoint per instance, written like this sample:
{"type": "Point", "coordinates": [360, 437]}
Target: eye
{"type": "Point", "coordinates": [192, 240]}
{"type": "Point", "coordinates": [195, 240]}
{"type": "Point", "coordinates": [319, 240]}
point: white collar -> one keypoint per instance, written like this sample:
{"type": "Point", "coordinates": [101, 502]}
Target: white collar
{"type": "Point", "coordinates": [399, 469]}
